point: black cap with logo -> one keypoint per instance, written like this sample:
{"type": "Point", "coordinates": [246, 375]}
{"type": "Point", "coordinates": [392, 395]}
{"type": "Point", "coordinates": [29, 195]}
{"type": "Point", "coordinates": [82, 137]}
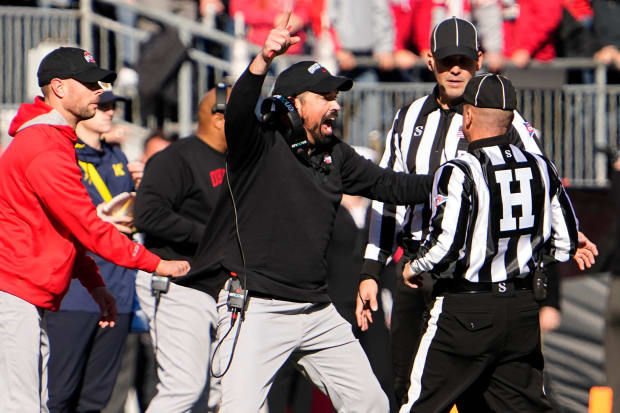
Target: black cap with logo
{"type": "Point", "coordinates": [454, 37]}
{"type": "Point", "coordinates": [490, 91]}
{"type": "Point", "coordinates": [72, 63]}
{"type": "Point", "coordinates": [309, 76]}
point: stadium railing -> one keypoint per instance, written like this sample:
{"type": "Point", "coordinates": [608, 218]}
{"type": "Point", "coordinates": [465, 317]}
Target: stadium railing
{"type": "Point", "coordinates": [579, 124]}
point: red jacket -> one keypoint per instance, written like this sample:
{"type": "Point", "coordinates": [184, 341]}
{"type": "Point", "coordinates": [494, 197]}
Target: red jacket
{"type": "Point", "coordinates": [580, 9]}
{"type": "Point", "coordinates": [413, 21]}
{"type": "Point", "coordinates": [534, 29]}
{"type": "Point", "coordinates": [47, 220]}
{"type": "Point", "coordinates": [260, 14]}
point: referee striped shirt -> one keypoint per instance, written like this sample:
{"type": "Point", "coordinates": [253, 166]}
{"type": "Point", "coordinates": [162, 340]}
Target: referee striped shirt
{"type": "Point", "coordinates": [495, 210]}
{"type": "Point", "coordinates": [423, 136]}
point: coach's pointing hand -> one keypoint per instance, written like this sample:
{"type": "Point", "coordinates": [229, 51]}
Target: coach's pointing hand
{"type": "Point", "coordinates": [278, 41]}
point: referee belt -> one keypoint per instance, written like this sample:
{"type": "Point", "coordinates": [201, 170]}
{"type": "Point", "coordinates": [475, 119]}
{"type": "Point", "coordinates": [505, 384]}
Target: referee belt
{"type": "Point", "coordinates": [462, 286]}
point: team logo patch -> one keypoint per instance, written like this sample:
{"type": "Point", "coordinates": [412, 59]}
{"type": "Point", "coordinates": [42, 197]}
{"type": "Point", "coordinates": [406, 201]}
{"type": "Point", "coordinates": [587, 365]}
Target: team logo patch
{"type": "Point", "coordinates": [89, 58]}
{"type": "Point", "coordinates": [327, 159]}
{"type": "Point", "coordinates": [313, 68]}
{"type": "Point", "coordinates": [118, 169]}
{"type": "Point", "coordinates": [530, 128]}
{"type": "Point", "coordinates": [217, 176]}
{"type": "Point", "coordinates": [440, 199]}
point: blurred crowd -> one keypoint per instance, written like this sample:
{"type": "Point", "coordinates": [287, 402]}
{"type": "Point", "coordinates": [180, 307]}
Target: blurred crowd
{"type": "Point", "coordinates": [367, 40]}
{"type": "Point", "coordinates": [395, 34]}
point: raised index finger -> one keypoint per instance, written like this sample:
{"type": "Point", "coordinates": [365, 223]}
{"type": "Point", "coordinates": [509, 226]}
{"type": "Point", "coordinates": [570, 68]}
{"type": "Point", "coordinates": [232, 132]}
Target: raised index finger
{"type": "Point", "coordinates": [283, 22]}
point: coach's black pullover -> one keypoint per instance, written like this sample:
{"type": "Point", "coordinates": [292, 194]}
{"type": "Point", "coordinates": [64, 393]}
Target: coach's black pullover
{"type": "Point", "coordinates": [285, 207]}
{"type": "Point", "coordinates": [177, 196]}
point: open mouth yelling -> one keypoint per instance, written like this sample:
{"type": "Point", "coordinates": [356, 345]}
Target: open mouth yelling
{"type": "Point", "coordinates": [327, 124]}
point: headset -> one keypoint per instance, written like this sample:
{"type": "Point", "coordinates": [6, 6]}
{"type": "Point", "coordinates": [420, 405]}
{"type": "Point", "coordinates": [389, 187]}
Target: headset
{"type": "Point", "coordinates": [280, 113]}
{"type": "Point", "coordinates": [221, 90]}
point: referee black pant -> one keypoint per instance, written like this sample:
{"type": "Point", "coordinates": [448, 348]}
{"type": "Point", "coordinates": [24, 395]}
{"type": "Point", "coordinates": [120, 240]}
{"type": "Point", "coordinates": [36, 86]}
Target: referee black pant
{"type": "Point", "coordinates": [481, 351]}
{"type": "Point", "coordinates": [407, 324]}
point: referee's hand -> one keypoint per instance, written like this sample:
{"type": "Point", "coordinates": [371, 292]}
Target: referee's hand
{"type": "Point", "coordinates": [366, 303]}
{"type": "Point", "coordinates": [410, 279]}
{"type": "Point", "coordinates": [586, 251]}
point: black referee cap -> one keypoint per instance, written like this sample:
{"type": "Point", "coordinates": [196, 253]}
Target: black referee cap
{"type": "Point", "coordinates": [454, 37]}
{"type": "Point", "coordinates": [490, 91]}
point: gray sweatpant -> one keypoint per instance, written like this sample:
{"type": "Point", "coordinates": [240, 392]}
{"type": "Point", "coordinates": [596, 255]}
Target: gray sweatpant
{"type": "Point", "coordinates": [182, 334]}
{"type": "Point", "coordinates": [318, 339]}
{"type": "Point", "coordinates": [24, 352]}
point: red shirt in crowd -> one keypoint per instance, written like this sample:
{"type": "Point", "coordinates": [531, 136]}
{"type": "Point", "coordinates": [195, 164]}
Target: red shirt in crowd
{"type": "Point", "coordinates": [534, 29]}
{"type": "Point", "coordinates": [259, 18]}
{"type": "Point", "coordinates": [413, 20]}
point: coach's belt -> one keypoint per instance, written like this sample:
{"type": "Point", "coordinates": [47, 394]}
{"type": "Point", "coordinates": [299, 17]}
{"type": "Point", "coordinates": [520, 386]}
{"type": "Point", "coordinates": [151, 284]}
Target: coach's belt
{"type": "Point", "coordinates": [459, 286]}
{"type": "Point", "coordinates": [266, 296]}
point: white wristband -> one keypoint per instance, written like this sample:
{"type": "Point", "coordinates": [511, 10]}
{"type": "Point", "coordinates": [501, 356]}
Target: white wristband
{"type": "Point", "coordinates": [412, 268]}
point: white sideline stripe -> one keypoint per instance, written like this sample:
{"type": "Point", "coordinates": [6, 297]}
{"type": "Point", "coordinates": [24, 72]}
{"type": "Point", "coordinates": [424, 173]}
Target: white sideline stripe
{"type": "Point", "coordinates": [420, 357]}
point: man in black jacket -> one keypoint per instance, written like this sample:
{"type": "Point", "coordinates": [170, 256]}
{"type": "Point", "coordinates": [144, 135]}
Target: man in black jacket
{"type": "Point", "coordinates": [176, 197]}
{"type": "Point", "coordinates": [285, 204]}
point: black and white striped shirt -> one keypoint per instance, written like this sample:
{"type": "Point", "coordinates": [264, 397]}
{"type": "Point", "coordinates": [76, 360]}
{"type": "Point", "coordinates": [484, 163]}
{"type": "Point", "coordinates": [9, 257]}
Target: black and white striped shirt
{"type": "Point", "coordinates": [430, 136]}
{"type": "Point", "coordinates": [493, 210]}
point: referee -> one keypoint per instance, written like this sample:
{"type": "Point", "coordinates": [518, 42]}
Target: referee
{"type": "Point", "coordinates": [425, 134]}
{"type": "Point", "coordinates": [497, 211]}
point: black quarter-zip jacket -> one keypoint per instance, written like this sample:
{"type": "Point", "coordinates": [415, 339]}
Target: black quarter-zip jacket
{"type": "Point", "coordinates": [285, 207]}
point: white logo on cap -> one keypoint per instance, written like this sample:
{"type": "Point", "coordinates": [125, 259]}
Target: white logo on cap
{"type": "Point", "coordinates": [89, 58]}
{"type": "Point", "coordinates": [314, 68]}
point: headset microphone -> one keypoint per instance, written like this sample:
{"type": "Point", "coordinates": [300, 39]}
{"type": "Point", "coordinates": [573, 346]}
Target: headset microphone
{"type": "Point", "coordinates": [280, 112]}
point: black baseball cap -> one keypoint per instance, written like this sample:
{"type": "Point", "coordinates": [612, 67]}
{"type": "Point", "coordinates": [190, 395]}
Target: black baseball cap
{"type": "Point", "coordinates": [490, 91]}
{"type": "Point", "coordinates": [454, 36]}
{"type": "Point", "coordinates": [309, 76]}
{"type": "Point", "coordinates": [72, 63]}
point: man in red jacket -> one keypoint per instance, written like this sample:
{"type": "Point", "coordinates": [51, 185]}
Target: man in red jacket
{"type": "Point", "coordinates": [48, 222]}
